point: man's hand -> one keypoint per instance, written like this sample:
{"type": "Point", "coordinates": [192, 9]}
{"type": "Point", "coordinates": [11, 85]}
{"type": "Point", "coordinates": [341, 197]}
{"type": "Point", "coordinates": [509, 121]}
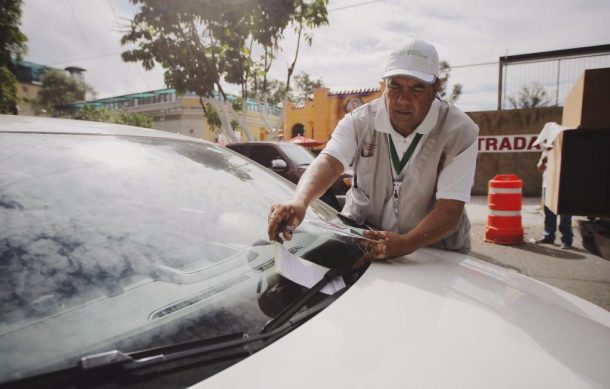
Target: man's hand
{"type": "Point", "coordinates": [319, 176]}
{"type": "Point", "coordinates": [384, 244]}
{"type": "Point", "coordinates": [284, 218]}
{"type": "Point", "coordinates": [437, 224]}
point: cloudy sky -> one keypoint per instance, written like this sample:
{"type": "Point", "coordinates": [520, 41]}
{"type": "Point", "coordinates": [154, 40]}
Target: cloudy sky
{"type": "Point", "coordinates": [351, 51]}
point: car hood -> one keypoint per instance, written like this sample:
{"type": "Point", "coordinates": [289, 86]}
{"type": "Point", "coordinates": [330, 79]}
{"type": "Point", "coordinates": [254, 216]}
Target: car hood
{"type": "Point", "coordinates": [437, 319]}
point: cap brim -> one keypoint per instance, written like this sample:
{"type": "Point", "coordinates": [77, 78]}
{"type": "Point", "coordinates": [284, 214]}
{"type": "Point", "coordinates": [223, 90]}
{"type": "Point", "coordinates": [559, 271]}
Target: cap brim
{"type": "Point", "coordinates": [425, 77]}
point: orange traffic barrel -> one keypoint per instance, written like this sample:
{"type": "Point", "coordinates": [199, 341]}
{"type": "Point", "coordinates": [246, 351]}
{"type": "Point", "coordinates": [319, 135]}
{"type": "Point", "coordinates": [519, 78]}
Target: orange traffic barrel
{"type": "Point", "coordinates": [504, 199]}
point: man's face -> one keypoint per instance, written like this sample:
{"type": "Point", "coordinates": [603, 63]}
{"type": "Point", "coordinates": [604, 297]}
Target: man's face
{"type": "Point", "coordinates": [408, 100]}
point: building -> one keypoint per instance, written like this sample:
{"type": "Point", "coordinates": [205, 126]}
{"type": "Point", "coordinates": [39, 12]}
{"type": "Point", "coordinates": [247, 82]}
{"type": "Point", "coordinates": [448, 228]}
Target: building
{"type": "Point", "coordinates": [318, 118]}
{"type": "Point", "coordinates": [184, 114]}
{"type": "Point", "coordinates": [29, 82]}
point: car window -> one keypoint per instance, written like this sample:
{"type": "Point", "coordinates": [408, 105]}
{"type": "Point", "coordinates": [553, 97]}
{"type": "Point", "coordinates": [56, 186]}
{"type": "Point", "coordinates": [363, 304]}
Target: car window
{"type": "Point", "coordinates": [127, 243]}
{"type": "Point", "coordinates": [264, 154]}
{"type": "Point", "coordinates": [297, 154]}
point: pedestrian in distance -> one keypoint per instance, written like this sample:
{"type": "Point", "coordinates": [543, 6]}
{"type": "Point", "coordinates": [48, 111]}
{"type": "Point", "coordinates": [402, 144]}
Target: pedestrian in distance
{"type": "Point", "coordinates": [550, 218]}
{"type": "Point", "coordinates": [413, 156]}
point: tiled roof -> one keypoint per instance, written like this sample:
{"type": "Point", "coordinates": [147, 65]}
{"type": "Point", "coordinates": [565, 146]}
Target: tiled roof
{"type": "Point", "coordinates": [355, 91]}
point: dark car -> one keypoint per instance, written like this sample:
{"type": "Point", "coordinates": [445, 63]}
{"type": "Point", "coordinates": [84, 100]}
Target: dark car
{"type": "Point", "coordinates": [290, 161]}
{"type": "Point", "coordinates": [140, 257]}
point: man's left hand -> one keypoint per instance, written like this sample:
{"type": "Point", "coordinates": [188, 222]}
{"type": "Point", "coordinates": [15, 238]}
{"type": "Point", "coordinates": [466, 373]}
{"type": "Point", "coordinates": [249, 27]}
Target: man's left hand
{"type": "Point", "coordinates": [384, 244]}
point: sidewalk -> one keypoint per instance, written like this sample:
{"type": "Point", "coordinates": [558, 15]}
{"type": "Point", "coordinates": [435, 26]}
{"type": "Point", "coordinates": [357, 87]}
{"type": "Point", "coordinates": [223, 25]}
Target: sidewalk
{"type": "Point", "coordinates": [576, 270]}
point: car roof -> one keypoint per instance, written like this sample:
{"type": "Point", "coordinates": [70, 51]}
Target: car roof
{"type": "Point", "coordinates": [39, 124]}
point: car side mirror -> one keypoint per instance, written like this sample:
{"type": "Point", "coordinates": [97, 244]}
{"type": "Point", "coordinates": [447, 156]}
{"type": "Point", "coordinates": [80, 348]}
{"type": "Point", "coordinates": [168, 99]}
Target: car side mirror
{"type": "Point", "coordinates": [278, 164]}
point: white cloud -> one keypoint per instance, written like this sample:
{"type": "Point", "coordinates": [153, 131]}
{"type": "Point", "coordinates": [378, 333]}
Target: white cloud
{"type": "Point", "coordinates": [350, 52]}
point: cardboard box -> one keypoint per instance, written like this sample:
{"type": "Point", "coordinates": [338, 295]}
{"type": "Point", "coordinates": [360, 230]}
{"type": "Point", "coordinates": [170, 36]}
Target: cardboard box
{"type": "Point", "coordinates": [587, 105]}
{"type": "Point", "coordinates": [579, 181]}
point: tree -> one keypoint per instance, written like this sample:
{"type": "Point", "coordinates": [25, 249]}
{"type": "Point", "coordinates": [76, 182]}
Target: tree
{"type": "Point", "coordinates": [305, 86]}
{"type": "Point", "coordinates": [445, 72]}
{"type": "Point", "coordinates": [530, 96]}
{"type": "Point", "coordinates": [201, 43]}
{"type": "Point", "coordinates": [103, 115]}
{"type": "Point", "coordinates": [271, 92]}
{"type": "Point", "coordinates": [12, 47]}
{"type": "Point", "coordinates": [89, 113]}
{"type": "Point", "coordinates": [8, 91]}
{"type": "Point", "coordinates": [59, 90]}
{"type": "Point", "coordinates": [134, 119]}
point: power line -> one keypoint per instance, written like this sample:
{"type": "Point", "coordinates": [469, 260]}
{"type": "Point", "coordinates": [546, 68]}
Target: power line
{"type": "Point", "coordinates": [87, 41]}
{"type": "Point", "coordinates": [354, 5]}
{"type": "Point", "coordinates": [84, 58]}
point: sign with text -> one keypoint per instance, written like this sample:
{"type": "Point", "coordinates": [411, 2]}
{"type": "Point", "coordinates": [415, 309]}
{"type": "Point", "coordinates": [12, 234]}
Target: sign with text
{"type": "Point", "coordinates": [508, 143]}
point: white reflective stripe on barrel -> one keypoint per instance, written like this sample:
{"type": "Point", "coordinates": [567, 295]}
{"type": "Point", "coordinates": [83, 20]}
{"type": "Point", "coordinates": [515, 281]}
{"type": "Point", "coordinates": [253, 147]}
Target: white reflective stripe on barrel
{"type": "Point", "coordinates": [504, 213]}
{"type": "Point", "coordinates": [504, 190]}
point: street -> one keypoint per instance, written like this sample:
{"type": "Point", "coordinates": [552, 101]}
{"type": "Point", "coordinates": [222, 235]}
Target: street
{"type": "Point", "coordinates": [575, 270]}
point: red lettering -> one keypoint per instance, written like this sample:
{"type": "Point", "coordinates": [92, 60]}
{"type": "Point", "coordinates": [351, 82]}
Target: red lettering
{"type": "Point", "coordinates": [505, 144]}
{"type": "Point", "coordinates": [491, 144]}
{"type": "Point", "coordinates": [520, 143]}
{"type": "Point", "coordinates": [480, 143]}
{"type": "Point", "coordinates": [531, 146]}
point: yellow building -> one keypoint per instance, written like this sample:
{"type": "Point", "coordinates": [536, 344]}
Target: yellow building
{"type": "Point", "coordinates": [318, 118]}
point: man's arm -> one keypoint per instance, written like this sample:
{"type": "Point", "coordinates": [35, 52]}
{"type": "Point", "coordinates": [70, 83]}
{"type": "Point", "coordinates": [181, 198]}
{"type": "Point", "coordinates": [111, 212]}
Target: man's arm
{"type": "Point", "coordinates": [437, 224]}
{"type": "Point", "coordinates": [319, 176]}
{"type": "Point", "coordinates": [542, 161]}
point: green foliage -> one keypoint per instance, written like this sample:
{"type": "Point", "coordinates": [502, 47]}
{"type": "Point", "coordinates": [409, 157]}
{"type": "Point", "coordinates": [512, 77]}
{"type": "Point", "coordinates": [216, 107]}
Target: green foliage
{"type": "Point", "coordinates": [275, 91]}
{"type": "Point", "coordinates": [103, 115]}
{"type": "Point", "coordinates": [305, 86]}
{"type": "Point", "coordinates": [200, 43]}
{"type": "Point", "coordinates": [134, 119]}
{"type": "Point", "coordinates": [445, 72]}
{"type": "Point", "coordinates": [212, 117]}
{"type": "Point", "coordinates": [90, 113]}
{"type": "Point", "coordinates": [8, 91]}
{"type": "Point", "coordinates": [309, 15]}
{"type": "Point", "coordinates": [272, 92]}
{"type": "Point", "coordinates": [530, 96]}
{"type": "Point", "coordinates": [12, 46]}
{"type": "Point", "coordinates": [59, 90]}
{"type": "Point", "coordinates": [12, 40]}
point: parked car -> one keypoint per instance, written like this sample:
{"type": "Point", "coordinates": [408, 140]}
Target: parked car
{"type": "Point", "coordinates": [139, 258]}
{"type": "Point", "coordinates": [120, 244]}
{"type": "Point", "coordinates": [290, 161]}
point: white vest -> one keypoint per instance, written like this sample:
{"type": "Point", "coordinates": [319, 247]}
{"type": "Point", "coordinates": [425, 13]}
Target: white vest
{"type": "Point", "coordinates": [371, 194]}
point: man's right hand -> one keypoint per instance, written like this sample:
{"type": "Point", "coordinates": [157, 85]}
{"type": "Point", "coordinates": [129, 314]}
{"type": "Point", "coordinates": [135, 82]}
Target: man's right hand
{"type": "Point", "coordinates": [284, 218]}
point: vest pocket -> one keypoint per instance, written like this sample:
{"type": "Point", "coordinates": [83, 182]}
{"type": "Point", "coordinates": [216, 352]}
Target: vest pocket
{"type": "Point", "coordinates": [356, 203]}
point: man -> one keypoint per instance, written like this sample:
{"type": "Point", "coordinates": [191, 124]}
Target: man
{"type": "Point", "coordinates": [550, 219]}
{"type": "Point", "coordinates": [413, 157]}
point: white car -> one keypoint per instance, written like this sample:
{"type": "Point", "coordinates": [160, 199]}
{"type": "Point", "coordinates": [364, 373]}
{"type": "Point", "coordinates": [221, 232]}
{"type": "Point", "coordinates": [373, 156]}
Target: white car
{"type": "Point", "coordinates": [138, 258]}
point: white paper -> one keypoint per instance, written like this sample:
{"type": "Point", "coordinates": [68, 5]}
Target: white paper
{"type": "Point", "coordinates": [304, 272]}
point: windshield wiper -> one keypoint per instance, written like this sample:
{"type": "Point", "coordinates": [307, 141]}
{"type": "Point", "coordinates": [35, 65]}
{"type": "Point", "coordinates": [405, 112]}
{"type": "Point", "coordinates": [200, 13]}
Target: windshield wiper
{"type": "Point", "coordinates": [116, 365]}
{"type": "Point", "coordinates": [285, 315]}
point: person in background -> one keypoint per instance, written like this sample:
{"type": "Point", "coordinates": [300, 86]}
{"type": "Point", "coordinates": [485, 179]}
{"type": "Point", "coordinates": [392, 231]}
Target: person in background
{"type": "Point", "coordinates": [413, 156]}
{"type": "Point", "coordinates": [550, 218]}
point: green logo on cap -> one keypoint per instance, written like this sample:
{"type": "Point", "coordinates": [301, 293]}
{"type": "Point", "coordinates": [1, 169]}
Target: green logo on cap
{"type": "Point", "coordinates": [414, 52]}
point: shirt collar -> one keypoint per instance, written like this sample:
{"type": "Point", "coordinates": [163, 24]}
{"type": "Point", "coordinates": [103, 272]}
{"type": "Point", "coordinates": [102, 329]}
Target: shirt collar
{"type": "Point", "coordinates": [383, 124]}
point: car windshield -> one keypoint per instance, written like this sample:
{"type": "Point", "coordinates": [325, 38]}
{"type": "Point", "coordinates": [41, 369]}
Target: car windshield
{"type": "Point", "coordinates": [119, 242]}
{"type": "Point", "coordinates": [297, 154]}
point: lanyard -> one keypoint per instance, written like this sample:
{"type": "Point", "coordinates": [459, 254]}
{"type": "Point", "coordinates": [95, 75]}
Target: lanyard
{"type": "Point", "coordinates": [399, 164]}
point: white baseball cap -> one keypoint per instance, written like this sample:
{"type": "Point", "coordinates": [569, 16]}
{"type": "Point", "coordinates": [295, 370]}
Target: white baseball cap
{"type": "Point", "coordinates": [416, 58]}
